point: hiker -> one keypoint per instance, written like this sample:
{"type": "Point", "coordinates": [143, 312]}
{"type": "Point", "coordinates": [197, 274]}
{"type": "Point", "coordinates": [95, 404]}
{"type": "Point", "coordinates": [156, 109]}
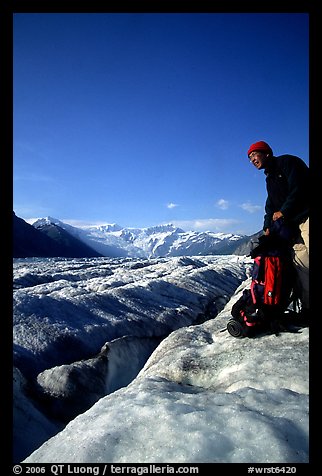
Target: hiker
{"type": "Point", "coordinates": [287, 184]}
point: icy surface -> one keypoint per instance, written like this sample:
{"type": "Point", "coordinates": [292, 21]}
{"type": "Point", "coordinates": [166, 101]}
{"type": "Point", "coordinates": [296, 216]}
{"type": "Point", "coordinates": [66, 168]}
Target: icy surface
{"type": "Point", "coordinates": [195, 401]}
{"type": "Point", "coordinates": [66, 310]}
{"type": "Point", "coordinates": [201, 396]}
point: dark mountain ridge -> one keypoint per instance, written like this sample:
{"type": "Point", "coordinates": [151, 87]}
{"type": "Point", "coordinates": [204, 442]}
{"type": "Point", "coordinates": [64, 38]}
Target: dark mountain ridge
{"type": "Point", "coordinates": [47, 242]}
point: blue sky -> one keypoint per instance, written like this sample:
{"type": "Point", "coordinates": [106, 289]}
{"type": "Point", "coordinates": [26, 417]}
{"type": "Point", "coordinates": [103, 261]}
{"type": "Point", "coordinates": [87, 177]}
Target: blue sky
{"type": "Point", "coordinates": [142, 119]}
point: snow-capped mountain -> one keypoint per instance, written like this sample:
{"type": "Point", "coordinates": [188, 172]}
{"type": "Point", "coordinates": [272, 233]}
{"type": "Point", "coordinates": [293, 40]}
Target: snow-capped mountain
{"type": "Point", "coordinates": [50, 240]}
{"type": "Point", "coordinates": [158, 241]}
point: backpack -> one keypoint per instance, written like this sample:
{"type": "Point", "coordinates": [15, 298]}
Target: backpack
{"type": "Point", "coordinates": [263, 305]}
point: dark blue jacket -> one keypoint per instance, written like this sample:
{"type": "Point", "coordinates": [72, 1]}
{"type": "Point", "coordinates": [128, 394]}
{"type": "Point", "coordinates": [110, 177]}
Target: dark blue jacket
{"type": "Point", "coordinates": [287, 183]}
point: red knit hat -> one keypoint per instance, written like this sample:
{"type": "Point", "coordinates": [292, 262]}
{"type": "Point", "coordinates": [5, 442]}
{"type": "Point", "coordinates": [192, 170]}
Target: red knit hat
{"type": "Point", "coordinates": [260, 146]}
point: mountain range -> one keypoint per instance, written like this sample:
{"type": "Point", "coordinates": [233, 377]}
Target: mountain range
{"type": "Point", "coordinates": [50, 237]}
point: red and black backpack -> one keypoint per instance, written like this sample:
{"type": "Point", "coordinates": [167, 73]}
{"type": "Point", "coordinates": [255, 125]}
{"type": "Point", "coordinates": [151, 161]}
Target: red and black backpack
{"type": "Point", "coordinates": [271, 289]}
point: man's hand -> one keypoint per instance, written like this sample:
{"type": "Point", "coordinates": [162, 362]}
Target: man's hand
{"type": "Point", "coordinates": [277, 215]}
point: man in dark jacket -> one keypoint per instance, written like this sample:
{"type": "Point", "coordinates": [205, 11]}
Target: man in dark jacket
{"type": "Point", "coordinates": [287, 184]}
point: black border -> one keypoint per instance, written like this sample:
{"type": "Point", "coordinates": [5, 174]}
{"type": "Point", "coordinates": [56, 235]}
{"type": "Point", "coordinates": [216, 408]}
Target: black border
{"type": "Point", "coordinates": [8, 9]}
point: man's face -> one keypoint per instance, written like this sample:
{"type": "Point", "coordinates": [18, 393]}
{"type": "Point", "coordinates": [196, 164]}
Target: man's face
{"type": "Point", "coordinates": [258, 159]}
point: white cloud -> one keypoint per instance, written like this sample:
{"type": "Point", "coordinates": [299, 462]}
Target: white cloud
{"type": "Point", "coordinates": [84, 223]}
{"type": "Point", "coordinates": [207, 224]}
{"type": "Point", "coordinates": [33, 177]}
{"type": "Point", "coordinates": [222, 203]}
{"type": "Point", "coordinates": [249, 207]}
{"type": "Point", "coordinates": [172, 205]}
